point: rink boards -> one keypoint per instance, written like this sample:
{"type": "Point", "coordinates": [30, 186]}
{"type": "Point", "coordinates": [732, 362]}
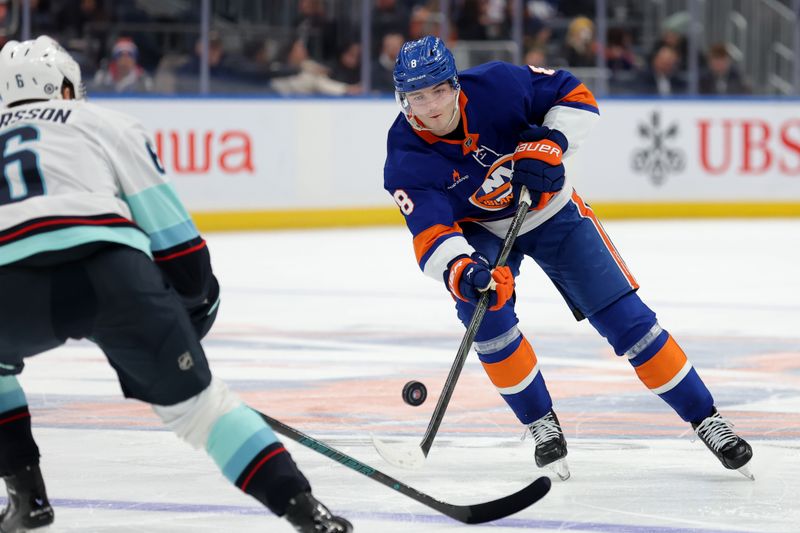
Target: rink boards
{"type": "Point", "coordinates": [278, 163]}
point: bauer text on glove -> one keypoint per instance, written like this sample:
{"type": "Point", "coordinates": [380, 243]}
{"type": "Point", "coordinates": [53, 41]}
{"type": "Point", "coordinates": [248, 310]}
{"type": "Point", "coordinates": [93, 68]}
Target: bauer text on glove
{"type": "Point", "coordinates": [537, 161]}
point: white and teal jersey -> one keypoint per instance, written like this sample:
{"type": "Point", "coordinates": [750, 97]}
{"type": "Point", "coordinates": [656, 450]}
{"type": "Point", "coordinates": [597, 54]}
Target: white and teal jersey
{"type": "Point", "coordinates": [75, 173]}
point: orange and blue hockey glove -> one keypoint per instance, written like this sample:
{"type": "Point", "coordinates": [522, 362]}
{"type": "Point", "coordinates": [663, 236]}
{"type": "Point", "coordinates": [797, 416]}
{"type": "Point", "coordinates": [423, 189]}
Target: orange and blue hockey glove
{"type": "Point", "coordinates": [537, 161]}
{"type": "Point", "coordinates": [468, 277]}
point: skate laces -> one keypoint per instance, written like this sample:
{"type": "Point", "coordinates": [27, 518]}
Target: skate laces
{"type": "Point", "coordinates": [544, 429]}
{"type": "Point", "coordinates": [716, 431]}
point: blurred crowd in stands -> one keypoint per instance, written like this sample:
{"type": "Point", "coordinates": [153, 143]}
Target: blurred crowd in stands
{"type": "Point", "coordinates": [127, 46]}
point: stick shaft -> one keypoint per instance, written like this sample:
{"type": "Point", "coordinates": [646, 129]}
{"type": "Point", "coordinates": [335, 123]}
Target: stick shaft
{"type": "Point", "coordinates": [474, 324]}
{"type": "Point", "coordinates": [468, 514]}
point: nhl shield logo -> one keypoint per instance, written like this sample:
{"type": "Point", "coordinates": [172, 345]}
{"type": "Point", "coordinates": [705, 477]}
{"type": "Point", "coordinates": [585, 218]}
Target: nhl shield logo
{"type": "Point", "coordinates": [185, 361]}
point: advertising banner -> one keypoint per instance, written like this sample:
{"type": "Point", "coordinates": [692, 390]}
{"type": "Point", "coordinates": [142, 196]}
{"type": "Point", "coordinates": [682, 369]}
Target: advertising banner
{"type": "Point", "coordinates": [704, 150]}
{"type": "Point", "coordinates": [265, 155]}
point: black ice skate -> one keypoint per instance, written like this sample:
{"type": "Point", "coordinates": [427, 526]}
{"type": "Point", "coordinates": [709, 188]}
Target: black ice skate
{"type": "Point", "coordinates": [551, 446]}
{"type": "Point", "coordinates": [28, 507]}
{"type": "Point", "coordinates": [717, 434]}
{"type": "Point", "coordinates": [308, 515]}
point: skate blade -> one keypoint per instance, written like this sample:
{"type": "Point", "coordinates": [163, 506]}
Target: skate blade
{"type": "Point", "coordinates": [745, 471]}
{"type": "Point", "coordinates": [560, 468]}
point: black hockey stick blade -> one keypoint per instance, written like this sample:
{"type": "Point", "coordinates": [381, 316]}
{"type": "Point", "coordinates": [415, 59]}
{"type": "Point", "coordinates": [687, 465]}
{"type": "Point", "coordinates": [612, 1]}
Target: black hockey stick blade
{"type": "Point", "coordinates": [495, 510]}
{"type": "Point", "coordinates": [468, 514]}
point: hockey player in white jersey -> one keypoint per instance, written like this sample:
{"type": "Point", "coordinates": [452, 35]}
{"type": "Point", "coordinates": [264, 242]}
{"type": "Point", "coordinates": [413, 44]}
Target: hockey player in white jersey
{"type": "Point", "coordinates": [94, 243]}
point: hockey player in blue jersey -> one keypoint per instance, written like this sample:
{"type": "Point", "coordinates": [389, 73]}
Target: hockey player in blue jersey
{"type": "Point", "coordinates": [94, 243]}
{"type": "Point", "coordinates": [457, 154]}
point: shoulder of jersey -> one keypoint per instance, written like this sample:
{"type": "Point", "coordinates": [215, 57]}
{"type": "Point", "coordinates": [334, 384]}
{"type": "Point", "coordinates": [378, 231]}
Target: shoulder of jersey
{"type": "Point", "coordinates": [486, 71]}
{"type": "Point", "coordinates": [107, 115]}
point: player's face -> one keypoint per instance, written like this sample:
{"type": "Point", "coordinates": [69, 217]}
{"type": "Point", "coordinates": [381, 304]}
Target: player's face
{"type": "Point", "coordinates": [434, 106]}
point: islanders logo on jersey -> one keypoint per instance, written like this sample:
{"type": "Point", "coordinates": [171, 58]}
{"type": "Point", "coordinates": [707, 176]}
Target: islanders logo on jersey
{"type": "Point", "coordinates": [495, 193]}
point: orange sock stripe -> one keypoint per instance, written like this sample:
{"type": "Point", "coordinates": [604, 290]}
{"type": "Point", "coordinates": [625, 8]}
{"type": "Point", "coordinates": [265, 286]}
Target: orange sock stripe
{"type": "Point", "coordinates": [587, 212]}
{"type": "Point", "coordinates": [664, 365]}
{"type": "Point", "coordinates": [513, 369]}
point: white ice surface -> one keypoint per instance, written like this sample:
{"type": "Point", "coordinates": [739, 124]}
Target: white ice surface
{"type": "Point", "coordinates": [321, 329]}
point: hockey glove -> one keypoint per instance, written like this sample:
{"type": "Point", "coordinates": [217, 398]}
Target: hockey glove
{"type": "Point", "coordinates": [468, 277]}
{"type": "Point", "coordinates": [537, 161]}
{"type": "Point", "coordinates": [204, 315]}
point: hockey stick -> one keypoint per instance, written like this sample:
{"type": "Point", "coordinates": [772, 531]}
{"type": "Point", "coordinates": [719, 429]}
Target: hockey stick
{"type": "Point", "coordinates": [468, 514]}
{"type": "Point", "coordinates": [405, 457]}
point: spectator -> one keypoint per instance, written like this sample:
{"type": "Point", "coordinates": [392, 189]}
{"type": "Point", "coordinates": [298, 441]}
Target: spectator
{"type": "Point", "coordinates": [662, 76]}
{"type": "Point", "coordinates": [674, 30]}
{"type": "Point", "coordinates": [382, 79]}
{"type": "Point", "coordinates": [134, 13]}
{"type": "Point", "coordinates": [543, 10]}
{"type": "Point", "coordinates": [423, 22]}
{"type": "Point", "coordinates": [580, 46]}
{"type": "Point", "coordinates": [253, 68]}
{"type": "Point", "coordinates": [537, 34]}
{"type": "Point", "coordinates": [575, 8]}
{"type": "Point", "coordinates": [347, 68]}
{"type": "Point", "coordinates": [42, 17]}
{"type": "Point", "coordinates": [5, 20]}
{"type": "Point", "coordinates": [536, 56]}
{"type": "Point", "coordinates": [472, 20]}
{"type": "Point", "coordinates": [315, 29]}
{"type": "Point", "coordinates": [123, 74]}
{"type": "Point", "coordinates": [722, 76]}
{"type": "Point", "coordinates": [83, 28]}
{"type": "Point", "coordinates": [388, 16]}
{"type": "Point", "coordinates": [224, 75]}
{"type": "Point", "coordinates": [311, 77]}
{"type": "Point", "coordinates": [497, 21]}
{"type": "Point", "coordinates": [619, 51]}
{"type": "Point", "coordinates": [623, 64]}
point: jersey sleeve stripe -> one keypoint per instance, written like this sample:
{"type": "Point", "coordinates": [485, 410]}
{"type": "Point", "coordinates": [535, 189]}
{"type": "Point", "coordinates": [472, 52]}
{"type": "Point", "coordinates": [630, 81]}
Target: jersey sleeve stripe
{"type": "Point", "coordinates": [45, 224]}
{"type": "Point", "coordinates": [179, 251]}
{"type": "Point", "coordinates": [69, 237]}
{"type": "Point", "coordinates": [11, 396]}
{"type": "Point", "coordinates": [447, 250]}
{"type": "Point", "coordinates": [580, 97]}
{"type": "Point", "coordinates": [427, 239]}
{"type": "Point", "coordinates": [170, 237]}
{"type": "Point", "coordinates": [157, 208]}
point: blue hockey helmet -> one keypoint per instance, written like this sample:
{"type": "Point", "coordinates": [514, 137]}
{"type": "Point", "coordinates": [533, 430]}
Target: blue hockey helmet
{"type": "Point", "coordinates": [424, 63]}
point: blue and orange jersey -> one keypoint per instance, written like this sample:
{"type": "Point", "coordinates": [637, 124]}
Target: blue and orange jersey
{"type": "Point", "coordinates": [441, 183]}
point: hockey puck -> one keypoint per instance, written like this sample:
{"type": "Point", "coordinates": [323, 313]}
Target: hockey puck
{"type": "Point", "coordinates": [414, 393]}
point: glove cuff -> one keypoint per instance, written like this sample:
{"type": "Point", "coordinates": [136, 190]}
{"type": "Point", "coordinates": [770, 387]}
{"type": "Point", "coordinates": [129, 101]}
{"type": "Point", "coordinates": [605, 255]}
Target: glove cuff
{"type": "Point", "coordinates": [559, 138]}
{"type": "Point", "coordinates": [455, 271]}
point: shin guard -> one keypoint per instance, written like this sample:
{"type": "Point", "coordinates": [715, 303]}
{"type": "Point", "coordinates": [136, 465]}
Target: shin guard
{"type": "Point", "coordinates": [631, 328]}
{"type": "Point", "coordinates": [511, 364]}
{"type": "Point", "coordinates": [242, 445]}
{"type": "Point", "coordinates": [17, 447]}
